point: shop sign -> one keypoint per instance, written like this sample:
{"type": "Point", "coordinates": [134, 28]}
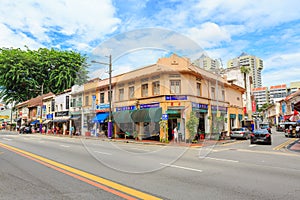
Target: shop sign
{"type": "Point", "coordinates": [49, 116]}
{"type": "Point", "coordinates": [200, 106]}
{"type": "Point", "coordinates": [102, 107]}
{"type": "Point", "coordinates": [176, 97]}
{"type": "Point", "coordinates": [152, 105]}
{"type": "Point", "coordinates": [164, 116]}
{"type": "Point", "coordinates": [219, 108]}
{"type": "Point", "coordinates": [62, 114]}
{"type": "Point", "coordinates": [125, 108]}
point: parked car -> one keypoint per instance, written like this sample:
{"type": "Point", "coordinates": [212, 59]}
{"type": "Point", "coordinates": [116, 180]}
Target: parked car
{"type": "Point", "coordinates": [240, 133]}
{"type": "Point", "coordinates": [25, 130]}
{"type": "Point", "coordinates": [261, 135]}
{"type": "Point", "coordinates": [265, 126]}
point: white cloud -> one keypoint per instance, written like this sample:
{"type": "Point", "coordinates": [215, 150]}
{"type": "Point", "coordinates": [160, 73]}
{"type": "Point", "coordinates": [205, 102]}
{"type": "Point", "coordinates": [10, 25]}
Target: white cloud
{"type": "Point", "coordinates": [209, 35]}
{"type": "Point", "coordinates": [83, 21]}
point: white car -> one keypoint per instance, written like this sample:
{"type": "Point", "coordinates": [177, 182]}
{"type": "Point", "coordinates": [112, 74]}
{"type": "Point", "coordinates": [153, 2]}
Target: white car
{"type": "Point", "coordinates": [240, 133]}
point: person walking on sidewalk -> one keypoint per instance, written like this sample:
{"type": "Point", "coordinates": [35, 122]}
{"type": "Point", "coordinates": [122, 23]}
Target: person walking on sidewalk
{"type": "Point", "coordinates": [175, 133]}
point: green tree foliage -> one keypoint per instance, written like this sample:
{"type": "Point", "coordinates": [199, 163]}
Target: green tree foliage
{"type": "Point", "coordinates": [191, 125]}
{"type": "Point", "coordinates": [23, 73]}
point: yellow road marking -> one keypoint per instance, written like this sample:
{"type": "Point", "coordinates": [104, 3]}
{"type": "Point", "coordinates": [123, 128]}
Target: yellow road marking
{"type": "Point", "coordinates": [92, 177]}
{"type": "Point", "coordinates": [286, 143]}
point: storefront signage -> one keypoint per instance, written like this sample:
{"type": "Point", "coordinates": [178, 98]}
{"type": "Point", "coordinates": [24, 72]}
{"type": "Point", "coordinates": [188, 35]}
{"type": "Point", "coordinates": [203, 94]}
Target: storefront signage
{"type": "Point", "coordinates": [219, 108]}
{"type": "Point", "coordinates": [62, 114]}
{"type": "Point", "coordinates": [176, 97]}
{"type": "Point", "coordinates": [102, 107]}
{"type": "Point", "coordinates": [49, 116]}
{"type": "Point", "coordinates": [125, 108]}
{"type": "Point", "coordinates": [200, 106]}
{"type": "Point", "coordinates": [164, 116]}
{"type": "Point", "coordinates": [152, 105]}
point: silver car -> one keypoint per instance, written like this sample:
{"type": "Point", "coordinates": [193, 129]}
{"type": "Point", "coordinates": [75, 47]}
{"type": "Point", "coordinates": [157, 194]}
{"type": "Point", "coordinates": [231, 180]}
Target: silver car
{"type": "Point", "coordinates": [240, 133]}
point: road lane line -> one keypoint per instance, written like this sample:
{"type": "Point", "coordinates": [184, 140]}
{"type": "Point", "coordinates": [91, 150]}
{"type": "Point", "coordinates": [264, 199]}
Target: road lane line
{"type": "Point", "coordinates": [181, 167]}
{"type": "Point", "coordinates": [220, 159]}
{"type": "Point", "coordinates": [105, 184]}
{"type": "Point", "coordinates": [102, 152]}
{"type": "Point", "coordinates": [7, 139]}
{"type": "Point", "coordinates": [62, 145]}
{"type": "Point", "coordinates": [286, 143]}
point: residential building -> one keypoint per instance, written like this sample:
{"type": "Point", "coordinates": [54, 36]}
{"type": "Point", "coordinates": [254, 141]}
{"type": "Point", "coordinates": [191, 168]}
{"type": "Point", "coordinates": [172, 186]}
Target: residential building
{"type": "Point", "coordinates": [61, 120]}
{"type": "Point", "coordinates": [294, 86]}
{"type": "Point", "coordinates": [207, 63]}
{"type": "Point", "coordinates": [277, 92]}
{"type": "Point", "coordinates": [253, 62]}
{"type": "Point", "coordinates": [261, 96]}
{"type": "Point", "coordinates": [76, 111]}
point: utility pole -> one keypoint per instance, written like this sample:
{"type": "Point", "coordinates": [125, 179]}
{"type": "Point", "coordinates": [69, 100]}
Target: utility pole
{"type": "Point", "coordinates": [110, 128]}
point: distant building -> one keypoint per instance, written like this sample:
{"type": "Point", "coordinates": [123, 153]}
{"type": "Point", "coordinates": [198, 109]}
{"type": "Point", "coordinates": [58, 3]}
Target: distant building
{"type": "Point", "coordinates": [207, 63]}
{"type": "Point", "coordinates": [255, 64]}
{"type": "Point", "coordinates": [294, 86]}
{"type": "Point", "coordinates": [261, 96]}
{"type": "Point", "coordinates": [277, 93]}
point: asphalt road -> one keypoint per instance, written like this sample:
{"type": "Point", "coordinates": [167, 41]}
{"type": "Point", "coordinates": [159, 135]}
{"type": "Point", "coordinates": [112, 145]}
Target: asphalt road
{"type": "Point", "coordinates": [235, 170]}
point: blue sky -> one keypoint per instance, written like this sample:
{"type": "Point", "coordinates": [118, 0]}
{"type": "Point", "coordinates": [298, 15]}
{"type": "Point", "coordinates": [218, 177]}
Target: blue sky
{"type": "Point", "coordinates": [135, 31]}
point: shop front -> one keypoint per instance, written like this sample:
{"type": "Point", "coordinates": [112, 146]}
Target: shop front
{"type": "Point", "coordinates": [218, 115]}
{"type": "Point", "coordinates": [201, 112]}
{"type": "Point", "coordinates": [48, 124]}
{"type": "Point", "coordinates": [61, 122]}
{"type": "Point", "coordinates": [123, 123]}
{"type": "Point", "coordinates": [146, 120]}
{"type": "Point", "coordinates": [100, 120]}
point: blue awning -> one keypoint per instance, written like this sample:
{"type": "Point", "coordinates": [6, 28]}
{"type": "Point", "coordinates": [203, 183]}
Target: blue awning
{"type": "Point", "coordinates": [100, 117]}
{"type": "Point", "coordinates": [35, 122]}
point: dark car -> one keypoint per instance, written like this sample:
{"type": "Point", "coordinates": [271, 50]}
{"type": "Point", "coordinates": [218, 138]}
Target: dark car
{"type": "Point", "coordinates": [240, 133]}
{"type": "Point", "coordinates": [265, 126]}
{"type": "Point", "coordinates": [261, 136]}
{"type": "Point", "coordinates": [25, 130]}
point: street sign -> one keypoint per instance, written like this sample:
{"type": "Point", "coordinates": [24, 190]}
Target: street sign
{"type": "Point", "coordinates": [164, 117]}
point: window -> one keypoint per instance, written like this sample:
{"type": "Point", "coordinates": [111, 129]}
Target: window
{"type": "Point", "coordinates": [198, 89]}
{"type": "Point", "coordinates": [86, 100]}
{"type": "Point", "coordinates": [223, 95]}
{"type": "Point", "coordinates": [102, 97]}
{"type": "Point", "coordinates": [156, 88]}
{"type": "Point", "coordinates": [213, 93]}
{"type": "Point", "coordinates": [131, 92]}
{"type": "Point", "coordinates": [121, 94]}
{"type": "Point", "coordinates": [73, 103]}
{"type": "Point", "coordinates": [175, 86]}
{"type": "Point", "coordinates": [145, 90]}
{"type": "Point", "coordinates": [79, 102]}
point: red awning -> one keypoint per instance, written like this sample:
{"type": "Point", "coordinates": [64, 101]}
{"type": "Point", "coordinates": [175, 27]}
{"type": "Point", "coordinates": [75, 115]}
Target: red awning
{"type": "Point", "coordinates": [286, 117]}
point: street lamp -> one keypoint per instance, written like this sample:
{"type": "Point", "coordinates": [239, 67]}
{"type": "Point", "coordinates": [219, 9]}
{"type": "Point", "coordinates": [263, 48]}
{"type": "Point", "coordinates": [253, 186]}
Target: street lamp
{"type": "Point", "coordinates": [109, 131]}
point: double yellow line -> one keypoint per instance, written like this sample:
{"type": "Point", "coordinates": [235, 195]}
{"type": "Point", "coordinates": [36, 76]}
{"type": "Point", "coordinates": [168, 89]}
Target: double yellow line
{"type": "Point", "coordinates": [104, 184]}
{"type": "Point", "coordinates": [283, 145]}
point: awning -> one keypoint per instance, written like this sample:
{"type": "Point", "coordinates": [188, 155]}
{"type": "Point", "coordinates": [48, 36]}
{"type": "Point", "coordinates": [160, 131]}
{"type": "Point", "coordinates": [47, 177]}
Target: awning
{"type": "Point", "coordinates": [35, 122]}
{"type": "Point", "coordinates": [46, 121]}
{"type": "Point", "coordinates": [122, 116]}
{"type": "Point", "coordinates": [61, 120]}
{"type": "Point", "coordinates": [147, 115]}
{"type": "Point", "coordinates": [100, 117]}
{"type": "Point", "coordinates": [155, 114]}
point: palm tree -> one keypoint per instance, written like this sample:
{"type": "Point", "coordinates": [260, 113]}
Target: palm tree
{"type": "Point", "coordinates": [245, 70]}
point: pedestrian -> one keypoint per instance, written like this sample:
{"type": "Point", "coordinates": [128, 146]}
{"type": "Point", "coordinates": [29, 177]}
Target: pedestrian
{"type": "Point", "coordinates": [175, 131]}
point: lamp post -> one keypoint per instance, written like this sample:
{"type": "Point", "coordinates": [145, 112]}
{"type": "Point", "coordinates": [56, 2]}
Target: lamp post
{"type": "Point", "coordinates": [109, 131]}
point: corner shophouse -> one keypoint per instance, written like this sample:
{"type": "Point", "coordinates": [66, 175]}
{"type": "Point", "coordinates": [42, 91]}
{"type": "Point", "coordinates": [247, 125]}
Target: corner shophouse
{"type": "Point", "coordinates": [175, 87]}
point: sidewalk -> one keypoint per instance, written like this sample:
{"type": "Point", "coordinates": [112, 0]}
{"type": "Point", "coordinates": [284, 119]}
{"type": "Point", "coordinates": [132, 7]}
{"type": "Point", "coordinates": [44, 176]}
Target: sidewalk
{"type": "Point", "coordinates": [295, 146]}
{"type": "Point", "coordinates": [201, 143]}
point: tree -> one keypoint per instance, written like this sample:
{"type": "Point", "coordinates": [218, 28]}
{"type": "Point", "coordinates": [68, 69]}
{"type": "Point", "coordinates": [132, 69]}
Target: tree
{"type": "Point", "coordinates": [25, 73]}
{"type": "Point", "coordinates": [191, 125]}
